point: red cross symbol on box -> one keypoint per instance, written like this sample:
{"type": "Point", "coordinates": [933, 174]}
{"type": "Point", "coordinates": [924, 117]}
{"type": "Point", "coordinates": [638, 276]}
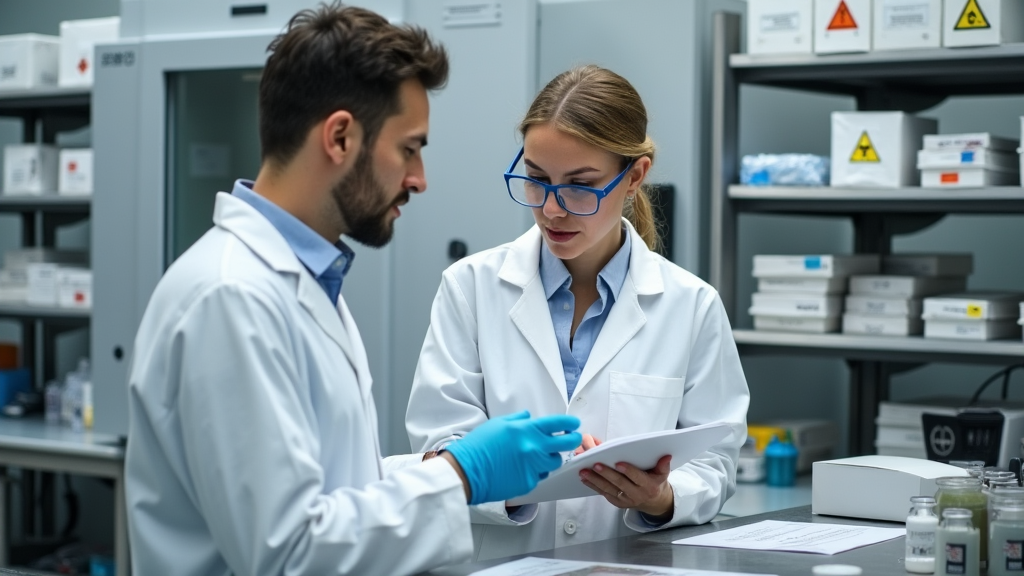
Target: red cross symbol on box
{"type": "Point", "coordinates": [83, 65]}
{"type": "Point", "coordinates": [72, 166]}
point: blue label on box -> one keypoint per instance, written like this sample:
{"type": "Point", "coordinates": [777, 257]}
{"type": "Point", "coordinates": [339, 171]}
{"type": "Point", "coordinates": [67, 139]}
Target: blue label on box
{"type": "Point", "coordinates": [812, 263]}
{"type": "Point", "coordinates": [966, 157]}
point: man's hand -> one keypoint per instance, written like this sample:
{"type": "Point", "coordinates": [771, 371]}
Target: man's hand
{"type": "Point", "coordinates": [588, 443]}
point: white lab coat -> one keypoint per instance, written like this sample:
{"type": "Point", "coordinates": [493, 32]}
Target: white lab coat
{"type": "Point", "coordinates": [253, 435]}
{"type": "Point", "coordinates": [664, 359]}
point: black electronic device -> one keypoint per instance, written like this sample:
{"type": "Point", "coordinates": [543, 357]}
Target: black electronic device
{"type": "Point", "coordinates": [973, 434]}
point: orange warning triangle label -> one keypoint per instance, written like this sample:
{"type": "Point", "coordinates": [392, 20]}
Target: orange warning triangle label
{"type": "Point", "coordinates": [843, 20]}
{"type": "Point", "coordinates": [865, 150]}
{"type": "Point", "coordinates": [972, 18]}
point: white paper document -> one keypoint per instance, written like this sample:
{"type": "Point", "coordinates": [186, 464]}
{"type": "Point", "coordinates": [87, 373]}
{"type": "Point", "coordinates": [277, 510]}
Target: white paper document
{"type": "Point", "coordinates": [549, 567]}
{"type": "Point", "coordinates": [808, 537]}
{"type": "Point", "coordinates": [641, 450]}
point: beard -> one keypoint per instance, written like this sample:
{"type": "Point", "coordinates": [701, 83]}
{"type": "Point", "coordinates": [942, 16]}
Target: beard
{"type": "Point", "coordinates": [364, 206]}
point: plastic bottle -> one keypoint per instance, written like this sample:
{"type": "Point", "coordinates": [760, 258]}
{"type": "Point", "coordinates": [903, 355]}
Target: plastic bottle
{"type": "Point", "coordinates": [780, 462]}
{"type": "Point", "coordinates": [85, 379]}
{"type": "Point", "coordinates": [921, 525]}
{"type": "Point", "coordinates": [957, 543]}
{"type": "Point", "coordinates": [51, 402]}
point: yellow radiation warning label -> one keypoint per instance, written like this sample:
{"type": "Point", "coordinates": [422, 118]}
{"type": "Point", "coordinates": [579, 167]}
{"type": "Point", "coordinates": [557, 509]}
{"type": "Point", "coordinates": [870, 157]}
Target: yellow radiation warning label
{"type": "Point", "coordinates": [865, 150]}
{"type": "Point", "coordinates": [972, 18]}
{"type": "Point", "coordinates": [974, 311]}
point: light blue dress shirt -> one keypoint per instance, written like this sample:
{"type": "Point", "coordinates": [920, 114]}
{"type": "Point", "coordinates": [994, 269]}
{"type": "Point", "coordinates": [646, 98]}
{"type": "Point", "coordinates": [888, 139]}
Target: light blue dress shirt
{"type": "Point", "coordinates": [328, 263]}
{"type": "Point", "coordinates": [562, 303]}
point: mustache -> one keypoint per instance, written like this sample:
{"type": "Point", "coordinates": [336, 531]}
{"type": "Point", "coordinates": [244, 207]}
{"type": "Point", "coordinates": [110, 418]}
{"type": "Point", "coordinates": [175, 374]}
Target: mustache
{"type": "Point", "coordinates": [403, 198]}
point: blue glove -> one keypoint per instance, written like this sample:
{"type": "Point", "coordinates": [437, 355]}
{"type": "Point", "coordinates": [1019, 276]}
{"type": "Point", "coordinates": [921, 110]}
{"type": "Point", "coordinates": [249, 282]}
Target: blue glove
{"type": "Point", "coordinates": [506, 457]}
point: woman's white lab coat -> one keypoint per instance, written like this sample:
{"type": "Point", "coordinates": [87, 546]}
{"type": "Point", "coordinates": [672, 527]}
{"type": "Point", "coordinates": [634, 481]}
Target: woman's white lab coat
{"type": "Point", "coordinates": [253, 434]}
{"type": "Point", "coordinates": [664, 359]}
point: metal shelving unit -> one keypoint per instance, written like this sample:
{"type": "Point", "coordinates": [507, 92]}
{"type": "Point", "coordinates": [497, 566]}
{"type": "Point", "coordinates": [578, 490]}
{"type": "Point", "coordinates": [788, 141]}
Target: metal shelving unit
{"type": "Point", "coordinates": [911, 81]}
{"type": "Point", "coordinates": [65, 316]}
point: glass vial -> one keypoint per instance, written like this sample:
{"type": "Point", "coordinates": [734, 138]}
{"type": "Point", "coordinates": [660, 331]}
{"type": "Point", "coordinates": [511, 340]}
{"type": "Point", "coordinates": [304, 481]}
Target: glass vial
{"type": "Point", "coordinates": [1006, 538]}
{"type": "Point", "coordinates": [964, 492]}
{"type": "Point", "coordinates": [957, 543]}
{"type": "Point", "coordinates": [921, 525]}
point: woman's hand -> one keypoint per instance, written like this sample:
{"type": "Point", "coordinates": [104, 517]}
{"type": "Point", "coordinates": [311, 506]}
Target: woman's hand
{"type": "Point", "coordinates": [627, 486]}
{"type": "Point", "coordinates": [588, 443]}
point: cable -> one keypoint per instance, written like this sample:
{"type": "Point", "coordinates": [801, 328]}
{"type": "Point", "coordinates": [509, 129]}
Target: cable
{"type": "Point", "coordinates": [1006, 384]}
{"type": "Point", "coordinates": [1005, 373]}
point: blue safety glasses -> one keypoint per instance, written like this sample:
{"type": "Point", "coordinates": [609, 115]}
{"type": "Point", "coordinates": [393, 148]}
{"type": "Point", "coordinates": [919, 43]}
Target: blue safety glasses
{"type": "Point", "coordinates": [574, 199]}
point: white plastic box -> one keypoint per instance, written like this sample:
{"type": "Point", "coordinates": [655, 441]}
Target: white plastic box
{"type": "Point", "coordinates": [910, 264]}
{"type": "Point", "coordinates": [804, 305]}
{"type": "Point", "coordinates": [30, 169]}
{"type": "Point", "coordinates": [78, 38]}
{"type": "Point", "coordinates": [74, 288]}
{"type": "Point", "coordinates": [977, 158]}
{"type": "Point", "coordinates": [42, 284]}
{"type": "Point", "coordinates": [815, 266]}
{"type": "Point", "coordinates": [973, 306]}
{"type": "Point", "coordinates": [881, 325]}
{"type": "Point", "coordinates": [877, 149]}
{"type": "Point", "coordinates": [970, 141]}
{"type": "Point", "coordinates": [967, 177]}
{"type": "Point", "coordinates": [28, 61]}
{"type": "Point", "coordinates": [881, 306]}
{"type": "Point", "coordinates": [802, 285]}
{"type": "Point", "coordinates": [972, 329]}
{"type": "Point", "coordinates": [75, 176]}
{"type": "Point", "coordinates": [905, 286]}
{"type": "Point", "coordinates": [797, 324]}
{"type": "Point", "coordinates": [982, 22]}
{"type": "Point", "coordinates": [906, 24]}
{"type": "Point", "coordinates": [842, 26]}
{"type": "Point", "coordinates": [780, 26]}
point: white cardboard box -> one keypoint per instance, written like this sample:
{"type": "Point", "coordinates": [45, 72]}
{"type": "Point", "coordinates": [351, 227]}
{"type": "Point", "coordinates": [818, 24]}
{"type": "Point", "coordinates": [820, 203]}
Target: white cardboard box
{"type": "Point", "coordinates": [874, 487]}
{"type": "Point", "coordinates": [75, 176]}
{"type": "Point", "coordinates": [877, 149]}
{"type": "Point", "coordinates": [802, 285]}
{"type": "Point", "coordinates": [28, 61]}
{"type": "Point", "coordinates": [881, 325]}
{"type": "Point", "coordinates": [42, 284]}
{"type": "Point", "coordinates": [797, 324]}
{"type": "Point", "coordinates": [30, 169]}
{"type": "Point", "coordinates": [880, 306]}
{"type": "Point", "coordinates": [903, 24]}
{"type": "Point", "coordinates": [20, 258]}
{"type": "Point", "coordinates": [74, 288]}
{"type": "Point", "coordinates": [973, 306]}
{"type": "Point", "coordinates": [815, 265]}
{"type": "Point", "coordinates": [967, 178]}
{"type": "Point", "coordinates": [970, 141]}
{"type": "Point", "coordinates": [780, 26]}
{"type": "Point", "coordinates": [910, 264]}
{"type": "Point", "coordinates": [976, 158]}
{"type": "Point", "coordinates": [803, 305]}
{"type": "Point", "coordinates": [982, 22]}
{"type": "Point", "coordinates": [78, 38]}
{"type": "Point", "coordinates": [972, 329]}
{"type": "Point", "coordinates": [13, 286]}
{"type": "Point", "coordinates": [905, 286]}
{"type": "Point", "coordinates": [842, 26]}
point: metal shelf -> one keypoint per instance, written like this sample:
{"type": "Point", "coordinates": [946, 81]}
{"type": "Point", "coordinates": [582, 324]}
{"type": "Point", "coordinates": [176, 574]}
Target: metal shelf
{"type": "Point", "coordinates": [912, 349]}
{"type": "Point", "coordinates": [945, 71]}
{"type": "Point", "coordinates": [824, 200]}
{"type": "Point", "coordinates": [52, 314]}
{"type": "Point", "coordinates": [18, 102]}
{"type": "Point", "coordinates": [46, 203]}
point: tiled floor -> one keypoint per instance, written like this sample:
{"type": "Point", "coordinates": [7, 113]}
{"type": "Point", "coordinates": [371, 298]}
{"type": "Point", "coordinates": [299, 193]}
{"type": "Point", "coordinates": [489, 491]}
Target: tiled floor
{"type": "Point", "coordinates": [751, 499]}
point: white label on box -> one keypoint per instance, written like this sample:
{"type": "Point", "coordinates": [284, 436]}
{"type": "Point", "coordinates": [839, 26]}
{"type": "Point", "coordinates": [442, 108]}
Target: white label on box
{"type": "Point", "coordinates": [899, 15]}
{"type": "Point", "coordinates": [784, 22]}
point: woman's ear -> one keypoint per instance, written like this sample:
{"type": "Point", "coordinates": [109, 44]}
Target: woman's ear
{"type": "Point", "coordinates": [340, 137]}
{"type": "Point", "coordinates": [637, 174]}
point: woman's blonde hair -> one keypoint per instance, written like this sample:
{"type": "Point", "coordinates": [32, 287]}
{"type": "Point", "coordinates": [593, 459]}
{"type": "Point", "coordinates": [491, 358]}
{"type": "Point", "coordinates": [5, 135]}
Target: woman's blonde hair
{"type": "Point", "coordinates": [603, 109]}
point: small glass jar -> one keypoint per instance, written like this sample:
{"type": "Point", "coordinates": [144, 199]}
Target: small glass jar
{"type": "Point", "coordinates": [1000, 476]}
{"type": "Point", "coordinates": [1006, 537]}
{"type": "Point", "coordinates": [964, 492]}
{"type": "Point", "coordinates": [957, 544]}
{"type": "Point", "coordinates": [921, 525]}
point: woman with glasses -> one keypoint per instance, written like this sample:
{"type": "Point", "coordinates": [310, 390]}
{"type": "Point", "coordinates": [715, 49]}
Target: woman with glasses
{"type": "Point", "coordinates": [581, 316]}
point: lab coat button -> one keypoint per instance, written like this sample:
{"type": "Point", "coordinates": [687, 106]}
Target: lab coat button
{"type": "Point", "coordinates": [569, 527]}
{"type": "Point", "coordinates": [565, 306]}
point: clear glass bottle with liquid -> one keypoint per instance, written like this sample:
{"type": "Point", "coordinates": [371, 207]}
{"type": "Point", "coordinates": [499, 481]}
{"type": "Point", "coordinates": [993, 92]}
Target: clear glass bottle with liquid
{"type": "Point", "coordinates": [921, 525]}
{"type": "Point", "coordinates": [964, 492]}
{"type": "Point", "coordinates": [51, 402]}
{"type": "Point", "coordinates": [1006, 537]}
{"type": "Point", "coordinates": [957, 544]}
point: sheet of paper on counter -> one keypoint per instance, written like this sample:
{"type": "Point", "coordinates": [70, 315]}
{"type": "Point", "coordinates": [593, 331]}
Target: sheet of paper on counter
{"type": "Point", "coordinates": [810, 537]}
{"type": "Point", "coordinates": [551, 567]}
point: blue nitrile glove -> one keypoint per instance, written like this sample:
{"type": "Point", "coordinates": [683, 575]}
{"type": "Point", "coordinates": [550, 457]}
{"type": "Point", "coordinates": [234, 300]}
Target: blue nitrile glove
{"type": "Point", "coordinates": [506, 457]}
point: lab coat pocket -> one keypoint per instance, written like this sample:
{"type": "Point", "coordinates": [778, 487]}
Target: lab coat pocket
{"type": "Point", "coordinates": [638, 403]}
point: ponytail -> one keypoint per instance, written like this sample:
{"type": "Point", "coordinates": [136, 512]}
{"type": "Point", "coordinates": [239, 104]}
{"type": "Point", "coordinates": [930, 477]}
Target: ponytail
{"type": "Point", "coordinates": [640, 214]}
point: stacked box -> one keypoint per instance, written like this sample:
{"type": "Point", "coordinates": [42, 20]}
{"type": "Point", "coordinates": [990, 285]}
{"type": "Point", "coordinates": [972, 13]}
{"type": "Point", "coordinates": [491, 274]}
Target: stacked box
{"type": "Point", "coordinates": [972, 315]}
{"type": "Point", "coordinates": [28, 61]}
{"type": "Point", "coordinates": [33, 275]}
{"type": "Point", "coordinates": [968, 160]}
{"type": "Point", "coordinates": [78, 39]}
{"type": "Point", "coordinates": [30, 169]}
{"type": "Point", "coordinates": [905, 24]}
{"type": "Point", "coordinates": [75, 178]}
{"type": "Point", "coordinates": [982, 22]}
{"type": "Point", "coordinates": [890, 304]}
{"type": "Point", "coordinates": [804, 293]}
{"type": "Point", "coordinates": [780, 26]}
{"type": "Point", "coordinates": [876, 149]}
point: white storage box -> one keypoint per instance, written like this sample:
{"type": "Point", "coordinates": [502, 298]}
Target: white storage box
{"type": "Point", "coordinates": [74, 288]}
{"type": "Point", "coordinates": [902, 24]}
{"type": "Point", "coordinates": [20, 258]}
{"type": "Point", "coordinates": [973, 306]}
{"type": "Point", "coordinates": [797, 324]}
{"type": "Point", "coordinates": [842, 26]}
{"type": "Point", "coordinates": [970, 141]}
{"type": "Point", "coordinates": [877, 306]}
{"type": "Point", "coordinates": [905, 286]}
{"type": "Point", "coordinates": [75, 176]}
{"type": "Point", "coordinates": [802, 285]}
{"type": "Point", "coordinates": [815, 266]}
{"type": "Point", "coordinates": [881, 325]}
{"type": "Point", "coordinates": [13, 286]}
{"type": "Point", "coordinates": [877, 149]}
{"type": "Point", "coordinates": [967, 178]}
{"type": "Point", "coordinates": [909, 264]}
{"type": "Point", "coordinates": [780, 26]}
{"type": "Point", "coordinates": [972, 329]}
{"type": "Point", "coordinates": [30, 169]}
{"type": "Point", "coordinates": [805, 305]}
{"type": "Point", "coordinates": [976, 158]}
{"type": "Point", "coordinates": [874, 487]}
{"type": "Point", "coordinates": [42, 284]}
{"type": "Point", "coordinates": [28, 61]}
{"type": "Point", "coordinates": [982, 22]}
{"type": "Point", "coordinates": [78, 38]}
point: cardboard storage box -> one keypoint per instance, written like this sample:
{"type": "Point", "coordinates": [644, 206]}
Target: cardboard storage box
{"type": "Point", "coordinates": [877, 149]}
{"type": "Point", "coordinates": [972, 329]}
{"type": "Point", "coordinates": [30, 169]}
{"type": "Point", "coordinates": [842, 26]}
{"type": "Point", "coordinates": [982, 22]}
{"type": "Point", "coordinates": [967, 178]}
{"type": "Point", "coordinates": [874, 487]}
{"type": "Point", "coordinates": [977, 158]}
{"type": "Point", "coordinates": [881, 325]}
{"type": "Point", "coordinates": [973, 306]}
{"type": "Point", "coordinates": [971, 141]}
{"type": "Point", "coordinates": [910, 264]}
{"type": "Point", "coordinates": [881, 306]}
{"type": "Point", "coordinates": [74, 288]}
{"type": "Point", "coordinates": [797, 324]}
{"type": "Point", "coordinates": [780, 26]}
{"type": "Point", "coordinates": [905, 286]}
{"type": "Point", "coordinates": [786, 285]}
{"type": "Point", "coordinates": [75, 176]}
{"type": "Point", "coordinates": [78, 39]}
{"type": "Point", "coordinates": [28, 61]}
{"type": "Point", "coordinates": [804, 305]}
{"type": "Point", "coordinates": [903, 24]}
{"type": "Point", "coordinates": [42, 284]}
{"type": "Point", "coordinates": [815, 266]}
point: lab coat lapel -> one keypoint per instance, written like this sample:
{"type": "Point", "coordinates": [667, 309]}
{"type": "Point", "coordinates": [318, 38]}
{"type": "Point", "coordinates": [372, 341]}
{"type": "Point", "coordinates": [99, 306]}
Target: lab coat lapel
{"type": "Point", "coordinates": [313, 298]}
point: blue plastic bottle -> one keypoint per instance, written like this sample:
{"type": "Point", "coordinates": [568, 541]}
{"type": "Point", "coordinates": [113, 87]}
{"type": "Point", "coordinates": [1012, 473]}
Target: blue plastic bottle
{"type": "Point", "coordinates": [780, 462]}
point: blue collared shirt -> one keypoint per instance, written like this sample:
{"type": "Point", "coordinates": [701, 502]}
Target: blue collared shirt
{"type": "Point", "coordinates": [562, 303]}
{"type": "Point", "coordinates": [328, 263]}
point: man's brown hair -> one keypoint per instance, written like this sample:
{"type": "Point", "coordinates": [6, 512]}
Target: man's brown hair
{"type": "Point", "coordinates": [340, 58]}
